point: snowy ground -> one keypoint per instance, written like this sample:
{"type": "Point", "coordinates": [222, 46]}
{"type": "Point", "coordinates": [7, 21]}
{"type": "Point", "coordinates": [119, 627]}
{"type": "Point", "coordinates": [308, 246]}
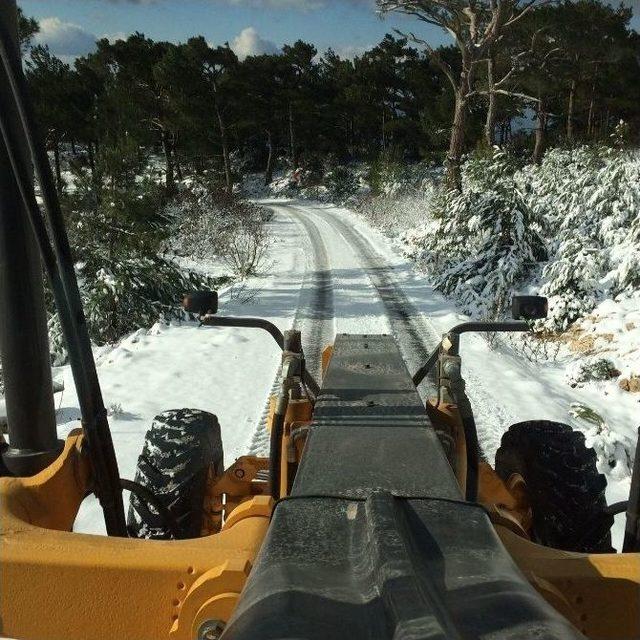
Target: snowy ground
{"type": "Point", "coordinates": [330, 272]}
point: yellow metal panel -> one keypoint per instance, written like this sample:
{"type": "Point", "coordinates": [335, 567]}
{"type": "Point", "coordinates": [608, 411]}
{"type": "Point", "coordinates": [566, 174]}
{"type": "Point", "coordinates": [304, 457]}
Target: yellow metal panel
{"type": "Point", "coordinates": [55, 584]}
{"type": "Point", "coordinates": [599, 593]}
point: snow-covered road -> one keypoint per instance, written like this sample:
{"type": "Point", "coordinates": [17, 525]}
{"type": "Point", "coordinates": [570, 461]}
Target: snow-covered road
{"type": "Point", "coordinates": [329, 273]}
{"type": "Point", "coordinates": [354, 288]}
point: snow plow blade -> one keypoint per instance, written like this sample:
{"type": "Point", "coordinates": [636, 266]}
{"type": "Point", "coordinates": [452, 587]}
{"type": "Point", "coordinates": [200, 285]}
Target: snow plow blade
{"type": "Point", "coordinates": [375, 540]}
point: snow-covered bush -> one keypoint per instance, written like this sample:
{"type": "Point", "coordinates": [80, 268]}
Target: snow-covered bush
{"type": "Point", "coordinates": [590, 369]}
{"type": "Point", "coordinates": [57, 345]}
{"type": "Point", "coordinates": [590, 199]}
{"type": "Point", "coordinates": [199, 221]}
{"type": "Point", "coordinates": [390, 178]}
{"type": "Point", "coordinates": [613, 449]}
{"type": "Point", "coordinates": [397, 216]}
{"type": "Point", "coordinates": [208, 223]}
{"type": "Point", "coordinates": [131, 292]}
{"type": "Point", "coordinates": [499, 249]}
{"type": "Point", "coordinates": [397, 198]}
{"type": "Point", "coordinates": [485, 240]}
{"type": "Point", "coordinates": [245, 251]}
{"type": "Point", "coordinates": [572, 282]}
{"type": "Point", "coordinates": [581, 204]}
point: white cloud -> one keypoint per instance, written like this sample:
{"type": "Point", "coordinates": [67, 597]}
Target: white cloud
{"type": "Point", "coordinates": [65, 39]}
{"type": "Point", "coordinates": [118, 35]}
{"type": "Point", "coordinates": [349, 52]}
{"type": "Point", "coordinates": [249, 43]}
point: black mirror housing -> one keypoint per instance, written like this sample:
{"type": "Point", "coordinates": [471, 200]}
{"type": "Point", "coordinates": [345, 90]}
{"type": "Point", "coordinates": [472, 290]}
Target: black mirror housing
{"type": "Point", "coordinates": [529, 307]}
{"type": "Point", "coordinates": [201, 303]}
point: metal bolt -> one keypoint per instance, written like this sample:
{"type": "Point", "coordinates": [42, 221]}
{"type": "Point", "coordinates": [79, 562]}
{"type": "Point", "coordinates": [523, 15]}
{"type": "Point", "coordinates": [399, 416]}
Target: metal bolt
{"type": "Point", "coordinates": [451, 369]}
{"type": "Point", "coordinates": [239, 473]}
{"type": "Point", "coordinates": [211, 630]}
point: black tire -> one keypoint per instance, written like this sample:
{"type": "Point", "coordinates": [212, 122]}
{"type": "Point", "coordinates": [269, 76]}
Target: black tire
{"type": "Point", "coordinates": [566, 492]}
{"type": "Point", "coordinates": [180, 450]}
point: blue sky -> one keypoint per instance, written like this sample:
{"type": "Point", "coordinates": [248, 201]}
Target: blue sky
{"type": "Point", "coordinates": [250, 26]}
{"type": "Point", "coordinates": [349, 26]}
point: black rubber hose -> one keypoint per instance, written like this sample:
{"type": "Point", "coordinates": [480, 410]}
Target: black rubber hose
{"type": "Point", "coordinates": [466, 327]}
{"type": "Point", "coordinates": [275, 444]}
{"type": "Point", "coordinates": [473, 461]}
{"type": "Point", "coordinates": [423, 371]}
{"type": "Point", "coordinates": [145, 495]}
{"type": "Point", "coordinates": [632, 524]}
{"type": "Point", "coordinates": [471, 440]}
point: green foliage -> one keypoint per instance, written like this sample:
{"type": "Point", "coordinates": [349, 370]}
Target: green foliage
{"type": "Point", "coordinates": [198, 105]}
{"type": "Point", "coordinates": [572, 282]}
{"type": "Point", "coordinates": [583, 412]}
{"type": "Point", "coordinates": [342, 183]}
{"type": "Point", "coordinates": [593, 369]}
{"type": "Point", "coordinates": [384, 172]}
{"type": "Point", "coordinates": [117, 231]}
{"type": "Point", "coordinates": [28, 27]}
{"type": "Point", "coordinates": [129, 292]}
{"type": "Point", "coordinates": [570, 226]}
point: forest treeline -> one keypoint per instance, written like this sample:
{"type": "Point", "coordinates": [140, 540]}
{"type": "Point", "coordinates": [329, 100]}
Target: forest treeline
{"type": "Point", "coordinates": [520, 75]}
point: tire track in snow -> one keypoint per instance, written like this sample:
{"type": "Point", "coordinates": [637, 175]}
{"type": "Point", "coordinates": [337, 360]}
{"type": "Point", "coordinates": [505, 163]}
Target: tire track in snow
{"type": "Point", "coordinates": [417, 337]}
{"type": "Point", "coordinates": [412, 329]}
{"type": "Point", "coordinates": [317, 323]}
{"type": "Point", "coordinates": [414, 335]}
{"type": "Point", "coordinates": [314, 317]}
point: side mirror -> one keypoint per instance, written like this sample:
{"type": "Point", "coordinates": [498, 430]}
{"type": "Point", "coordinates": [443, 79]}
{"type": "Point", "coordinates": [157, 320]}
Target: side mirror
{"type": "Point", "coordinates": [529, 307]}
{"type": "Point", "coordinates": [201, 303]}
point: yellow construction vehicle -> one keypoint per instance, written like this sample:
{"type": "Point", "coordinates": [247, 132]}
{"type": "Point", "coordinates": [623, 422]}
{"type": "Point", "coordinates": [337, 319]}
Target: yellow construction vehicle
{"type": "Point", "coordinates": [374, 516]}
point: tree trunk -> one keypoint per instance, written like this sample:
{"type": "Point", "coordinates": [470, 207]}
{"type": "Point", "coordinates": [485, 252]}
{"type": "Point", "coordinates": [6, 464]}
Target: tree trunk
{"type": "Point", "coordinates": [176, 161]}
{"type": "Point", "coordinates": [292, 139]}
{"type": "Point", "coordinates": [590, 116]}
{"type": "Point", "coordinates": [541, 127]}
{"type": "Point", "coordinates": [168, 158]}
{"type": "Point", "coordinates": [268, 172]}
{"type": "Point", "coordinates": [456, 143]}
{"type": "Point", "coordinates": [605, 123]}
{"type": "Point", "coordinates": [225, 152]}
{"type": "Point", "coordinates": [352, 150]}
{"type": "Point", "coordinates": [592, 101]}
{"type": "Point", "coordinates": [92, 162]}
{"type": "Point", "coordinates": [570, 109]}
{"type": "Point", "coordinates": [490, 123]}
{"type": "Point", "coordinates": [56, 161]}
{"type": "Point", "coordinates": [73, 147]}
